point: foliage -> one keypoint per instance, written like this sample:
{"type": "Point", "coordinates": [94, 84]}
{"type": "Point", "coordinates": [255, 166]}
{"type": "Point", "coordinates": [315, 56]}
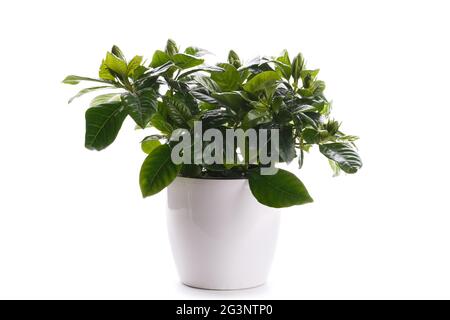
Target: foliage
{"type": "Point", "coordinates": [176, 88]}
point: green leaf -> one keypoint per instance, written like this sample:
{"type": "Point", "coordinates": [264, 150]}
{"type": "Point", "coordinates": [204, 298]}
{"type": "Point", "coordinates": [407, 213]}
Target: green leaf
{"type": "Point", "coordinates": [87, 90]}
{"type": "Point", "coordinates": [157, 171]}
{"type": "Point", "coordinates": [303, 108]}
{"type": "Point", "coordinates": [178, 111]}
{"type": "Point", "coordinates": [332, 126]}
{"type": "Point", "coordinates": [261, 81]}
{"type": "Point", "coordinates": [311, 135]}
{"type": "Point", "coordinates": [160, 123]}
{"type": "Point", "coordinates": [276, 104]}
{"type": "Point", "coordinates": [204, 97]}
{"type": "Point", "coordinates": [284, 65]}
{"type": "Point", "coordinates": [185, 61]}
{"type": "Point", "coordinates": [254, 64]}
{"type": "Point", "coordinates": [207, 83]}
{"type": "Point", "coordinates": [205, 106]}
{"type": "Point", "coordinates": [234, 60]}
{"type": "Point", "coordinates": [308, 77]}
{"type": "Point", "coordinates": [133, 65]}
{"type": "Point", "coordinates": [346, 138]}
{"type": "Point", "coordinates": [343, 154]}
{"type": "Point", "coordinates": [216, 118]}
{"type": "Point", "coordinates": [159, 58]}
{"type": "Point", "coordinates": [140, 106]}
{"type": "Point", "coordinates": [185, 73]}
{"type": "Point", "coordinates": [77, 79]}
{"type": "Point", "coordinates": [104, 72]}
{"type": "Point", "coordinates": [319, 87]}
{"type": "Point", "coordinates": [298, 64]}
{"type": "Point", "coordinates": [104, 98]}
{"type": "Point", "coordinates": [195, 51]}
{"type": "Point", "coordinates": [301, 158]}
{"type": "Point", "coordinates": [139, 72]}
{"type": "Point", "coordinates": [255, 117]}
{"type": "Point", "coordinates": [307, 119]}
{"type": "Point", "coordinates": [280, 190]}
{"type": "Point", "coordinates": [188, 100]}
{"type": "Point", "coordinates": [229, 79]}
{"type": "Point", "coordinates": [118, 53]}
{"type": "Point", "coordinates": [166, 67]}
{"type": "Point", "coordinates": [103, 123]}
{"type": "Point", "coordinates": [171, 47]}
{"type": "Point", "coordinates": [335, 167]}
{"type": "Point", "coordinates": [287, 144]}
{"type": "Point", "coordinates": [150, 143]}
{"type": "Point", "coordinates": [233, 99]}
{"type": "Point", "coordinates": [115, 64]}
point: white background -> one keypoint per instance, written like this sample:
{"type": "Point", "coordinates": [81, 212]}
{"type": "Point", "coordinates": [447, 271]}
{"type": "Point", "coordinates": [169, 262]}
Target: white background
{"type": "Point", "coordinates": [73, 223]}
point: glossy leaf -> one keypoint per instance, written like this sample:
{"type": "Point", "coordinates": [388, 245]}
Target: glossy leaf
{"type": "Point", "coordinates": [301, 158]}
{"type": "Point", "coordinates": [287, 144]}
{"type": "Point", "coordinates": [234, 100]}
{"type": "Point", "coordinates": [233, 59]}
{"type": "Point", "coordinates": [311, 135]}
{"type": "Point", "coordinates": [216, 118]}
{"type": "Point", "coordinates": [308, 76]}
{"type": "Point", "coordinates": [195, 51]}
{"type": "Point", "coordinates": [133, 65]}
{"type": "Point", "coordinates": [184, 61]}
{"type": "Point", "coordinates": [186, 73]}
{"type": "Point", "coordinates": [139, 72]}
{"type": "Point", "coordinates": [166, 67]}
{"type": "Point", "coordinates": [150, 143]}
{"type": "Point", "coordinates": [343, 154]}
{"type": "Point", "coordinates": [157, 171]}
{"type": "Point", "coordinates": [178, 111]}
{"type": "Point", "coordinates": [319, 88]}
{"type": "Point", "coordinates": [77, 79]}
{"type": "Point", "coordinates": [335, 167]}
{"type": "Point", "coordinates": [261, 81]}
{"type": "Point", "coordinates": [118, 53]}
{"type": "Point", "coordinates": [88, 90]}
{"type": "Point", "coordinates": [229, 79]}
{"type": "Point", "coordinates": [140, 106]}
{"type": "Point", "coordinates": [280, 190]}
{"type": "Point", "coordinates": [104, 72]}
{"type": "Point", "coordinates": [104, 98]}
{"type": "Point", "coordinates": [207, 83]}
{"type": "Point", "coordinates": [103, 123]}
{"type": "Point", "coordinates": [115, 64]}
{"type": "Point", "coordinates": [284, 65]}
{"type": "Point", "coordinates": [171, 47]}
{"type": "Point", "coordinates": [204, 97]}
{"type": "Point", "coordinates": [160, 123]}
{"type": "Point", "coordinates": [255, 117]}
{"type": "Point", "coordinates": [159, 58]}
{"type": "Point", "coordinates": [298, 64]}
{"type": "Point", "coordinates": [306, 119]}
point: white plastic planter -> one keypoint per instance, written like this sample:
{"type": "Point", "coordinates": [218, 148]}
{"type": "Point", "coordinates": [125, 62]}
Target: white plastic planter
{"type": "Point", "coordinates": [221, 237]}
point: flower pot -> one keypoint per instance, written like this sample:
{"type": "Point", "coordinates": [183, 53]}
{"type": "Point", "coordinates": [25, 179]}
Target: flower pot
{"type": "Point", "coordinates": [221, 237]}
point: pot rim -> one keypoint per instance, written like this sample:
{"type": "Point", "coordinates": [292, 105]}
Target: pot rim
{"type": "Point", "coordinates": [214, 178]}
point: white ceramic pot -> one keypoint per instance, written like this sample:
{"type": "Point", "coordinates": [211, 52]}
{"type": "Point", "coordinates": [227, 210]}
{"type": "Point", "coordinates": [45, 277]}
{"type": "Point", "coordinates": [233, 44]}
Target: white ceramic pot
{"type": "Point", "coordinates": [221, 237]}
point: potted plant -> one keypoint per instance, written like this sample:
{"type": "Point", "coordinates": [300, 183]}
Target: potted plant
{"type": "Point", "coordinates": [220, 131]}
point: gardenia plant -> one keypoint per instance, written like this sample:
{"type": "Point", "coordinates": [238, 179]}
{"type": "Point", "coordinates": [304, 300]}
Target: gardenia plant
{"type": "Point", "coordinates": [176, 90]}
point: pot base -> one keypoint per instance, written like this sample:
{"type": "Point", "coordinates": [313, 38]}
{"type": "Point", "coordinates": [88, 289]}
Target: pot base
{"type": "Point", "coordinates": [221, 289]}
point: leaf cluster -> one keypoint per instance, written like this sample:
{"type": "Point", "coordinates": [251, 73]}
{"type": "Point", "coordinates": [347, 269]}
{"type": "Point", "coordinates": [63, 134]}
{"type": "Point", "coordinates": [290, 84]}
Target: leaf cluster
{"type": "Point", "coordinates": [176, 88]}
